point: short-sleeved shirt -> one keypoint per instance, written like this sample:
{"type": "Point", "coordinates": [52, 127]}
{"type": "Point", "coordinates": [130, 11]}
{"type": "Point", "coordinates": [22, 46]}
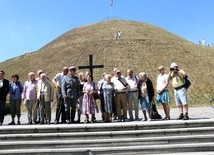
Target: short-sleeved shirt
{"type": "Point", "coordinates": [177, 80]}
{"type": "Point", "coordinates": [58, 78]}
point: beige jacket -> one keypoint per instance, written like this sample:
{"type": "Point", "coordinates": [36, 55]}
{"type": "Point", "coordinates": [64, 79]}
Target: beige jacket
{"type": "Point", "coordinates": [47, 88]}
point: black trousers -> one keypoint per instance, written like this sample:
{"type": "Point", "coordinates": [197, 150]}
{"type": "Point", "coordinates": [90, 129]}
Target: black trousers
{"type": "Point", "coordinates": [2, 111]}
{"type": "Point", "coordinates": [60, 109]}
{"type": "Point", "coordinates": [70, 108]}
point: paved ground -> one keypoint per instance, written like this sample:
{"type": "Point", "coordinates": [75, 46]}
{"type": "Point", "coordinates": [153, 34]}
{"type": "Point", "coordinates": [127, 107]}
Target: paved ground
{"type": "Point", "coordinates": [194, 113]}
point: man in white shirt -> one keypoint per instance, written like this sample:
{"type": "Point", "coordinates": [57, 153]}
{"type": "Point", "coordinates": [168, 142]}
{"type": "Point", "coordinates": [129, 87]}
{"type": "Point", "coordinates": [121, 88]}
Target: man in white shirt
{"type": "Point", "coordinates": [60, 110]}
{"type": "Point", "coordinates": [121, 87]}
{"type": "Point", "coordinates": [133, 93]}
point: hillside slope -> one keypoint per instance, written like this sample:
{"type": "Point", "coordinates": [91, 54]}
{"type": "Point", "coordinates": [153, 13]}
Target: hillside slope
{"type": "Point", "coordinates": [143, 48]}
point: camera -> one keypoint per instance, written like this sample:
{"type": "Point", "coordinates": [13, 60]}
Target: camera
{"type": "Point", "coordinates": [174, 69]}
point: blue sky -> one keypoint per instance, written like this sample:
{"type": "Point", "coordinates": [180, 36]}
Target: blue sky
{"type": "Point", "coordinates": [27, 25]}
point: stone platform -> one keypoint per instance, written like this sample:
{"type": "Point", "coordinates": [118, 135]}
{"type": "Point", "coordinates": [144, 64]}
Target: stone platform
{"type": "Point", "coordinates": [194, 136]}
{"type": "Point", "coordinates": [194, 113]}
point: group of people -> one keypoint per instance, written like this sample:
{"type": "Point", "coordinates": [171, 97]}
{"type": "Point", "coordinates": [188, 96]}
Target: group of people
{"type": "Point", "coordinates": [118, 96]}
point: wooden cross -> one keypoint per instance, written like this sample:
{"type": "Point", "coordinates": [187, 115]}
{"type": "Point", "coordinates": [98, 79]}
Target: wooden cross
{"type": "Point", "coordinates": [91, 66]}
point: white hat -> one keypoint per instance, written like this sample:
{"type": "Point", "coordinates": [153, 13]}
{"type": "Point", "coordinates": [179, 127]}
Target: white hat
{"type": "Point", "coordinates": [173, 65]}
{"type": "Point", "coordinates": [142, 74]}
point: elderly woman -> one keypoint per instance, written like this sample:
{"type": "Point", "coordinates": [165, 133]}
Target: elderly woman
{"type": "Point", "coordinates": [45, 95]}
{"type": "Point", "coordinates": [107, 89]}
{"type": "Point", "coordinates": [16, 89]}
{"type": "Point", "coordinates": [89, 103]}
{"type": "Point", "coordinates": [146, 94]}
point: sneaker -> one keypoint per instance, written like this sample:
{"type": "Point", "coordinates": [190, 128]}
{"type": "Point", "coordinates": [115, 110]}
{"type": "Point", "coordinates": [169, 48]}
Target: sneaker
{"type": "Point", "coordinates": [186, 117]}
{"type": "Point", "coordinates": [181, 116]}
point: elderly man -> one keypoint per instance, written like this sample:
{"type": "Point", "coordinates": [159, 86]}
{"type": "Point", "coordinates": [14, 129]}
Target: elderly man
{"type": "Point", "coordinates": [60, 110]}
{"type": "Point", "coordinates": [121, 87]}
{"type": "Point", "coordinates": [45, 93]}
{"type": "Point", "coordinates": [177, 76]}
{"type": "Point", "coordinates": [132, 81]}
{"type": "Point", "coordinates": [4, 90]}
{"type": "Point", "coordinates": [70, 92]}
{"type": "Point", "coordinates": [29, 97]}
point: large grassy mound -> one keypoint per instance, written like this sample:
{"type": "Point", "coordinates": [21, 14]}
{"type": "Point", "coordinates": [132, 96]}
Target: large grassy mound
{"type": "Point", "coordinates": [143, 48]}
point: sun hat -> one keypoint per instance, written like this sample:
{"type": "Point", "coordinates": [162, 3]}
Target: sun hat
{"type": "Point", "coordinates": [173, 65]}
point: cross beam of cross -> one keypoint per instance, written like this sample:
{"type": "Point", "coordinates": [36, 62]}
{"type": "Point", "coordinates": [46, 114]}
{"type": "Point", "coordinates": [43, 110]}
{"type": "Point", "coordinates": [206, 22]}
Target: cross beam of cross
{"type": "Point", "coordinates": [91, 66]}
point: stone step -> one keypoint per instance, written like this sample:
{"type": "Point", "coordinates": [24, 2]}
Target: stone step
{"type": "Point", "coordinates": [106, 142]}
{"type": "Point", "coordinates": [149, 149]}
{"type": "Point", "coordinates": [96, 127]}
{"type": "Point", "coordinates": [110, 134]}
{"type": "Point", "coordinates": [171, 153]}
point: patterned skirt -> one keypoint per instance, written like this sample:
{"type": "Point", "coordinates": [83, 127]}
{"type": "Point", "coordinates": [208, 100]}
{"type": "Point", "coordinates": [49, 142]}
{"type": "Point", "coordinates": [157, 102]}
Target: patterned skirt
{"type": "Point", "coordinates": [88, 104]}
{"type": "Point", "coordinates": [163, 97]}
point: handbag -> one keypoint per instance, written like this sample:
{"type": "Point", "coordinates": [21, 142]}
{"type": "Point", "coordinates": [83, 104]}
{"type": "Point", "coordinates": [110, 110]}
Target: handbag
{"type": "Point", "coordinates": [96, 95]}
{"type": "Point", "coordinates": [154, 112]}
{"type": "Point", "coordinates": [187, 82]}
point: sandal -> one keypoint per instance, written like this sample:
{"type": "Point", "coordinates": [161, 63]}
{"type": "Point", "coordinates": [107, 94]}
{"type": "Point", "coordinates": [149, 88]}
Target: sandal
{"type": "Point", "coordinates": [166, 118]}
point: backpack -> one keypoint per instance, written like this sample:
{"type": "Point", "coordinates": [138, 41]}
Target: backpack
{"type": "Point", "coordinates": [187, 82]}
